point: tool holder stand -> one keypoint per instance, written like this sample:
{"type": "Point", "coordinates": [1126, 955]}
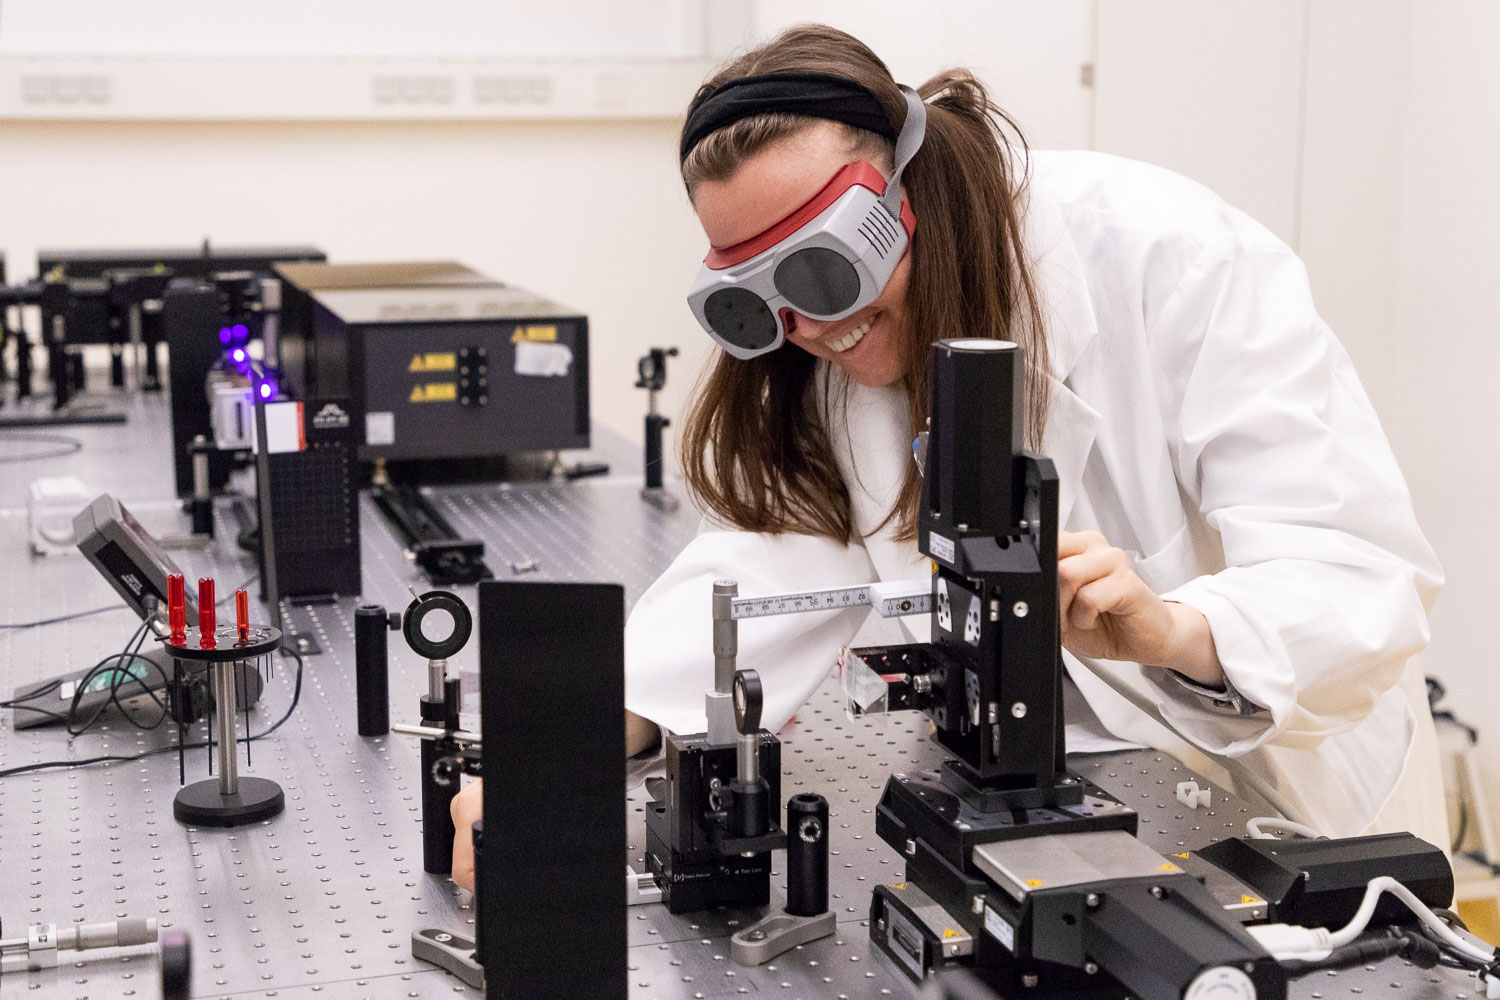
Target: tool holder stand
{"type": "Point", "coordinates": [230, 799]}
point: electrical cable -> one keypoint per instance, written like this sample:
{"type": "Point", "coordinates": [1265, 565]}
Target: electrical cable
{"type": "Point", "coordinates": [170, 748]}
{"type": "Point", "coordinates": [1253, 827]}
{"type": "Point", "coordinates": [126, 658]}
{"type": "Point", "coordinates": [1317, 944]}
{"type": "Point", "coordinates": [65, 618]}
{"type": "Point", "coordinates": [68, 445]}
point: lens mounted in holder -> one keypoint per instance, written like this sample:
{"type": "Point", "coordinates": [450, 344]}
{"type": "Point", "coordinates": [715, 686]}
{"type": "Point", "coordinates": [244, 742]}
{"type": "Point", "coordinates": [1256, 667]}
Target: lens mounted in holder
{"type": "Point", "coordinates": [426, 604]}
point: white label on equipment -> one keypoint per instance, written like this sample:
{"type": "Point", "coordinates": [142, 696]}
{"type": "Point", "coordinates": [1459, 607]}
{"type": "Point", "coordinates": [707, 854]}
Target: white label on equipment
{"type": "Point", "coordinates": [284, 428]}
{"type": "Point", "coordinates": [1000, 929]}
{"type": "Point", "coordinates": [545, 360]}
{"type": "Point", "coordinates": [380, 428]}
{"type": "Point", "coordinates": [942, 547]}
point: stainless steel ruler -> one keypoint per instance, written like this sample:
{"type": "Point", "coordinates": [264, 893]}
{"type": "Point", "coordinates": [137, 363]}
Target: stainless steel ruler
{"type": "Point", "coordinates": [890, 600]}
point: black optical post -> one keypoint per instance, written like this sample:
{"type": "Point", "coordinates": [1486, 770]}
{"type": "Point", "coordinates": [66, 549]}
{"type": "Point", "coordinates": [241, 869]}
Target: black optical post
{"type": "Point", "coordinates": [652, 369]}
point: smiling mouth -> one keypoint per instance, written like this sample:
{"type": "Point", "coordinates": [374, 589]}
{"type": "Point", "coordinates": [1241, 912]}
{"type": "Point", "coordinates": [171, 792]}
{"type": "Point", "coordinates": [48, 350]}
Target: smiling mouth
{"type": "Point", "coordinates": [849, 339]}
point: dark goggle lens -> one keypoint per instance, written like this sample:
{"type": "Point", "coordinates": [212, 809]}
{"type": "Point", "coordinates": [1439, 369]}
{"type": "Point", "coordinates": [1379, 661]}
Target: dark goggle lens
{"type": "Point", "coordinates": [741, 318]}
{"type": "Point", "coordinates": [818, 281]}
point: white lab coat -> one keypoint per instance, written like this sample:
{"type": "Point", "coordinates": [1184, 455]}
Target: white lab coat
{"type": "Point", "coordinates": [1205, 420]}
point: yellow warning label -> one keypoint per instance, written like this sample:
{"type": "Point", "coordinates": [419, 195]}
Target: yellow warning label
{"type": "Point", "coordinates": [1250, 900]}
{"type": "Point", "coordinates": [544, 334]}
{"type": "Point", "coordinates": [1168, 867]}
{"type": "Point", "coordinates": [899, 885]}
{"type": "Point", "coordinates": [434, 392]}
{"type": "Point", "coordinates": [950, 932]}
{"type": "Point", "coordinates": [1034, 882]}
{"type": "Point", "coordinates": [436, 361]}
{"type": "Point", "coordinates": [1182, 855]}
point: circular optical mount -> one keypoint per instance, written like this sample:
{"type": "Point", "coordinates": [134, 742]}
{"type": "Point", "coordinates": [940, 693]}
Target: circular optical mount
{"type": "Point", "coordinates": [748, 700]}
{"type": "Point", "coordinates": [419, 609]}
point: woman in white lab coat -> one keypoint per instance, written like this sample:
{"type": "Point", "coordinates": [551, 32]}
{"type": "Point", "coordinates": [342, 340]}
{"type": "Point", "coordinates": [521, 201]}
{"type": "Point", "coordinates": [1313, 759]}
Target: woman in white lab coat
{"type": "Point", "coordinates": [1243, 581]}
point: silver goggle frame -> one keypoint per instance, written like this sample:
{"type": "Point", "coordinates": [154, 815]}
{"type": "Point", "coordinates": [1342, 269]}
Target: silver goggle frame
{"type": "Point", "coordinates": [831, 267]}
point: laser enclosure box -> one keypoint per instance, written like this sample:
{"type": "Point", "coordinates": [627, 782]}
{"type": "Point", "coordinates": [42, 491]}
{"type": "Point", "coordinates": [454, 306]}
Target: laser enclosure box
{"type": "Point", "coordinates": [469, 371]}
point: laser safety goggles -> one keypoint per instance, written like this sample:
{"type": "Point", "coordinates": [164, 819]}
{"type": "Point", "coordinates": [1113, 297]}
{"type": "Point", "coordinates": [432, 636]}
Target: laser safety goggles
{"type": "Point", "coordinates": [827, 260]}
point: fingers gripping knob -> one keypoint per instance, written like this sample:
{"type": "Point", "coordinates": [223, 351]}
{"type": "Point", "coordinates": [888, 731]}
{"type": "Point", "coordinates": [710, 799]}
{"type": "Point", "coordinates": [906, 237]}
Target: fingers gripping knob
{"type": "Point", "coordinates": [748, 701]}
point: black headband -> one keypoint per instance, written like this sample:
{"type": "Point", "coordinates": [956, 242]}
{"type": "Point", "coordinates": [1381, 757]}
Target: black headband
{"type": "Point", "coordinates": [817, 95]}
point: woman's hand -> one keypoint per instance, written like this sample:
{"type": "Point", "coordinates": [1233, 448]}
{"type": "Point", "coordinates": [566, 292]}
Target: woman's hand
{"type": "Point", "coordinates": [467, 809]}
{"type": "Point", "coordinates": [468, 805]}
{"type": "Point", "coordinates": [1108, 612]}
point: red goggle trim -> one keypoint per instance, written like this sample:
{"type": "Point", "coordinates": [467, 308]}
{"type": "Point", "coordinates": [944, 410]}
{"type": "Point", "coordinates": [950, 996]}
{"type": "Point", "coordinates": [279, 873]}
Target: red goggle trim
{"type": "Point", "coordinates": [856, 174]}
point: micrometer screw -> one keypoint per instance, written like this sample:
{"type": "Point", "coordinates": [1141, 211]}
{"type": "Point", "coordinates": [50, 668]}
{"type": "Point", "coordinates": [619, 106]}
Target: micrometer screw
{"type": "Point", "coordinates": [1018, 710]}
{"type": "Point", "coordinates": [1021, 609]}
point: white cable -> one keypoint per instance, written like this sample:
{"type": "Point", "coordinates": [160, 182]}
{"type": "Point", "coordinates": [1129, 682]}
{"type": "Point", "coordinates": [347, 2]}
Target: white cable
{"type": "Point", "coordinates": [1287, 941]}
{"type": "Point", "coordinates": [1385, 883]}
{"type": "Point", "coordinates": [1284, 941]}
{"type": "Point", "coordinates": [1253, 827]}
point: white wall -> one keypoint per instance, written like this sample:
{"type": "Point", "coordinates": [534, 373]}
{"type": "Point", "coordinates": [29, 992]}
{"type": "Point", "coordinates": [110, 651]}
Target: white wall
{"type": "Point", "coordinates": [1445, 416]}
{"type": "Point", "coordinates": [590, 213]}
{"type": "Point", "coordinates": [1030, 53]}
{"type": "Point", "coordinates": [1213, 91]}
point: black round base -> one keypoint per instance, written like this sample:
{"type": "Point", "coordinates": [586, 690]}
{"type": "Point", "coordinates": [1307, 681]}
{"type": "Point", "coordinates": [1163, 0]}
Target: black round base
{"type": "Point", "coordinates": [201, 804]}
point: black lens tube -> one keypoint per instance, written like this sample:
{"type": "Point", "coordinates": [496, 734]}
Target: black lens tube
{"type": "Point", "coordinates": [806, 855]}
{"type": "Point", "coordinates": [371, 670]}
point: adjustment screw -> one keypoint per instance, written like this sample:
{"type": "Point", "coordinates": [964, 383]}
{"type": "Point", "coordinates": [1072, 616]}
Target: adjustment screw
{"type": "Point", "coordinates": [1157, 892]}
{"type": "Point", "coordinates": [911, 846]}
{"type": "Point", "coordinates": [1018, 710]}
{"type": "Point", "coordinates": [1091, 900]}
{"type": "Point", "coordinates": [1021, 609]}
{"type": "Point", "coordinates": [1092, 968]}
{"type": "Point", "coordinates": [978, 904]}
{"type": "Point", "coordinates": [1029, 980]}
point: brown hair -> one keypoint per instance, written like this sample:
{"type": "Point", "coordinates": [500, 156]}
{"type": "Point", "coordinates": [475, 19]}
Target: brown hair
{"type": "Point", "coordinates": [756, 449]}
